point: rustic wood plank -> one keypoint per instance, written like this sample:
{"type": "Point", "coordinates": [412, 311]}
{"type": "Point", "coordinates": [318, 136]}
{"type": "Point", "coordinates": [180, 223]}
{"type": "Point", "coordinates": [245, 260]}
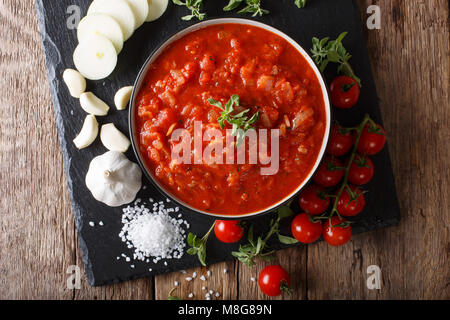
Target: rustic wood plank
{"type": "Point", "coordinates": [37, 229]}
{"type": "Point", "coordinates": [409, 56]}
{"type": "Point", "coordinates": [219, 281]}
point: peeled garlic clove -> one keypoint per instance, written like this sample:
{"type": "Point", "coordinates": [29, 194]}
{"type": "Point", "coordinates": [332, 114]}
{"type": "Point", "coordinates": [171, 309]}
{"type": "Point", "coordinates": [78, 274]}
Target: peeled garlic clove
{"type": "Point", "coordinates": [88, 133]}
{"type": "Point", "coordinates": [93, 105]}
{"type": "Point", "coordinates": [113, 139]}
{"type": "Point", "coordinates": [122, 98]}
{"type": "Point", "coordinates": [75, 82]}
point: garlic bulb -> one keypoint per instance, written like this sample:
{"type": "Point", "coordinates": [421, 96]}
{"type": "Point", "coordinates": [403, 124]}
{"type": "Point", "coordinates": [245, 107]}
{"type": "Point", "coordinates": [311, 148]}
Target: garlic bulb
{"type": "Point", "coordinates": [113, 179]}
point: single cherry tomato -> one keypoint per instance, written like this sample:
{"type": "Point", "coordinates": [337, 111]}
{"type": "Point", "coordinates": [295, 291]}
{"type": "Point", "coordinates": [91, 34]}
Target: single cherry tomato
{"type": "Point", "coordinates": [361, 171]}
{"type": "Point", "coordinates": [344, 92]}
{"type": "Point", "coordinates": [305, 230]}
{"type": "Point", "coordinates": [340, 141]}
{"type": "Point", "coordinates": [330, 172]}
{"type": "Point", "coordinates": [351, 202]}
{"type": "Point", "coordinates": [372, 140]}
{"type": "Point", "coordinates": [273, 280]}
{"type": "Point", "coordinates": [228, 231]}
{"type": "Point", "coordinates": [338, 233]}
{"type": "Point", "coordinates": [314, 200]}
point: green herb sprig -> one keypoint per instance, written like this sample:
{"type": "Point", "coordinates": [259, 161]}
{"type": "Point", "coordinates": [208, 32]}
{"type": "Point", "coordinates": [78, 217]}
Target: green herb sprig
{"type": "Point", "coordinates": [258, 248]}
{"type": "Point", "coordinates": [253, 6]}
{"type": "Point", "coordinates": [325, 51]}
{"type": "Point", "coordinates": [171, 296]}
{"type": "Point", "coordinates": [198, 246]}
{"type": "Point", "coordinates": [300, 3]}
{"type": "Point", "coordinates": [240, 122]}
{"type": "Point", "coordinates": [195, 6]}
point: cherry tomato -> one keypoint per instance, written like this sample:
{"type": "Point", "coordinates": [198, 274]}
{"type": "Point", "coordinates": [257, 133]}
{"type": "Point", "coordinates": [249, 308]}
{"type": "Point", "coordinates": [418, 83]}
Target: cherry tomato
{"type": "Point", "coordinates": [273, 280]}
{"type": "Point", "coordinates": [304, 230]}
{"type": "Point", "coordinates": [344, 92]}
{"type": "Point", "coordinates": [313, 200]}
{"type": "Point", "coordinates": [330, 172]}
{"type": "Point", "coordinates": [228, 231]}
{"type": "Point", "coordinates": [361, 170]}
{"type": "Point", "coordinates": [372, 140]}
{"type": "Point", "coordinates": [336, 236]}
{"type": "Point", "coordinates": [351, 202]}
{"type": "Point", "coordinates": [340, 142]}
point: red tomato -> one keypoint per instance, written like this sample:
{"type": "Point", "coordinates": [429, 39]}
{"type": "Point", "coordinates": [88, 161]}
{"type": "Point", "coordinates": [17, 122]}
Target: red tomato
{"type": "Point", "coordinates": [228, 231]}
{"type": "Point", "coordinates": [330, 172]}
{"type": "Point", "coordinates": [336, 236]}
{"type": "Point", "coordinates": [304, 230]}
{"type": "Point", "coordinates": [273, 280]}
{"type": "Point", "coordinates": [372, 140]}
{"type": "Point", "coordinates": [340, 143]}
{"type": "Point", "coordinates": [344, 92]}
{"type": "Point", "coordinates": [313, 200]}
{"type": "Point", "coordinates": [361, 170]}
{"type": "Point", "coordinates": [351, 202]}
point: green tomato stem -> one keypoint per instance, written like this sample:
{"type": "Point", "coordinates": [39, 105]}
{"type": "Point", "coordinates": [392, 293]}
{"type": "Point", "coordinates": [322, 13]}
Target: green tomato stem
{"type": "Point", "coordinates": [359, 131]}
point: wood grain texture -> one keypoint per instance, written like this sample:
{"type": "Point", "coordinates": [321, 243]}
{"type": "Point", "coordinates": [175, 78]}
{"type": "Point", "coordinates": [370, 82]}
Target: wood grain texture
{"type": "Point", "coordinates": [410, 59]}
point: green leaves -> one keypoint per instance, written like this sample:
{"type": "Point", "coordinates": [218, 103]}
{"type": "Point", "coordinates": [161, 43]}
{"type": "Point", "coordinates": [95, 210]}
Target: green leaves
{"type": "Point", "coordinates": [195, 6]}
{"type": "Point", "coordinates": [325, 51]}
{"type": "Point", "coordinates": [286, 239]}
{"type": "Point", "coordinates": [249, 252]}
{"type": "Point", "coordinates": [300, 3]}
{"type": "Point", "coordinates": [240, 122]}
{"type": "Point", "coordinates": [233, 4]}
{"type": "Point", "coordinates": [253, 6]}
{"type": "Point", "coordinates": [171, 296]}
{"type": "Point", "coordinates": [198, 246]}
{"type": "Point", "coordinates": [258, 248]}
{"type": "Point", "coordinates": [285, 212]}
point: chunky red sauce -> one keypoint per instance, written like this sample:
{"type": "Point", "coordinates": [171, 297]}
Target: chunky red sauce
{"type": "Point", "coordinates": [269, 75]}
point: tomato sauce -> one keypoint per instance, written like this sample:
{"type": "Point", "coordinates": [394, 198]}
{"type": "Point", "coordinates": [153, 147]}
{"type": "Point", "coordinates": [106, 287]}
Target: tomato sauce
{"type": "Point", "coordinates": [269, 75]}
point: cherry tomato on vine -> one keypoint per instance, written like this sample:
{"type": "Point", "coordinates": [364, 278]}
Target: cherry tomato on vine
{"type": "Point", "coordinates": [330, 172]}
{"type": "Point", "coordinates": [372, 140]}
{"type": "Point", "coordinates": [273, 280]}
{"type": "Point", "coordinates": [340, 141]}
{"type": "Point", "coordinates": [313, 200]}
{"type": "Point", "coordinates": [351, 202]}
{"type": "Point", "coordinates": [228, 231]}
{"type": "Point", "coordinates": [361, 171]}
{"type": "Point", "coordinates": [305, 230]}
{"type": "Point", "coordinates": [344, 92]}
{"type": "Point", "coordinates": [339, 233]}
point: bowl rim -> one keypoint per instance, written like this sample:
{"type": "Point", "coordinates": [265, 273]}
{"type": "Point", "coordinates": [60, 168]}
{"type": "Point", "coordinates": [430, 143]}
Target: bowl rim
{"type": "Point", "coordinates": [160, 49]}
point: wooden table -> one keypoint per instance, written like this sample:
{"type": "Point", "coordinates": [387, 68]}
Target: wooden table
{"type": "Point", "coordinates": [410, 59]}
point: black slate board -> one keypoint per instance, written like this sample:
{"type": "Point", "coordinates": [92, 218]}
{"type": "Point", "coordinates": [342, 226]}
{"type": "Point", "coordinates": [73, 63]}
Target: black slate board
{"type": "Point", "coordinates": [100, 245]}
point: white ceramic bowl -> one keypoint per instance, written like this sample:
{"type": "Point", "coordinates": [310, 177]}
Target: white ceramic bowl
{"type": "Point", "coordinates": [155, 55]}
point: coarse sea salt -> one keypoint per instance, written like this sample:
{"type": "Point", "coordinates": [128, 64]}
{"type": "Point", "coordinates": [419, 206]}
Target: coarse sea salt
{"type": "Point", "coordinates": [152, 232]}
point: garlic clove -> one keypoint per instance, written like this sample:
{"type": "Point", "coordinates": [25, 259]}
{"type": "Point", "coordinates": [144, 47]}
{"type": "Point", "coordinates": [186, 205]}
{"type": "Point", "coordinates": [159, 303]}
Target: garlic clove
{"type": "Point", "coordinates": [122, 98]}
{"type": "Point", "coordinates": [88, 133]}
{"type": "Point", "coordinates": [113, 139]}
{"type": "Point", "coordinates": [75, 82]}
{"type": "Point", "coordinates": [93, 105]}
